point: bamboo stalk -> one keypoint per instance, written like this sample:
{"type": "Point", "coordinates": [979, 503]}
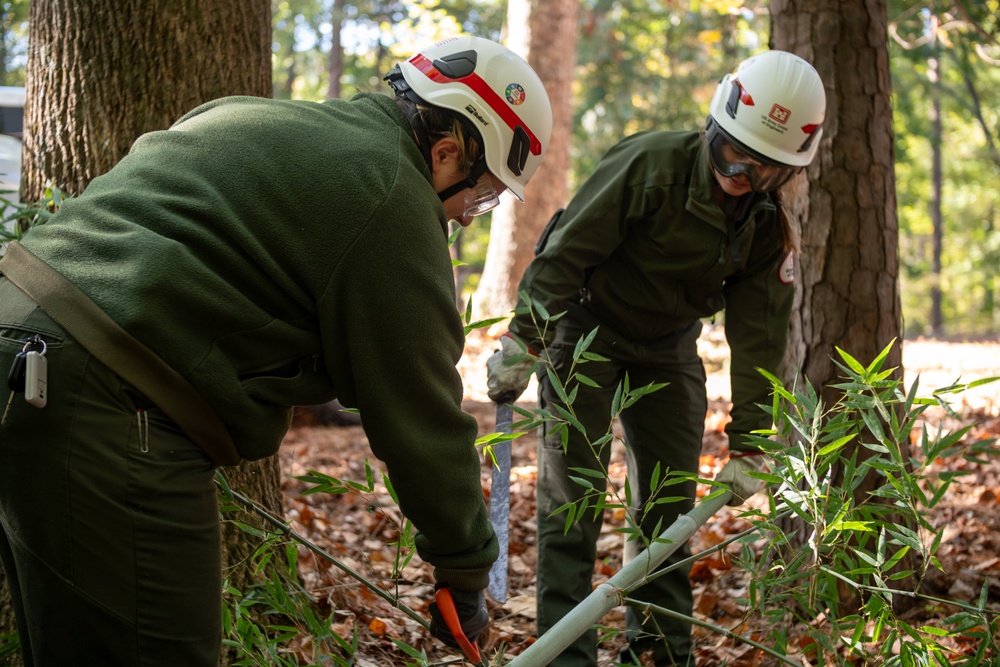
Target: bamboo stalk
{"type": "Point", "coordinates": [612, 593]}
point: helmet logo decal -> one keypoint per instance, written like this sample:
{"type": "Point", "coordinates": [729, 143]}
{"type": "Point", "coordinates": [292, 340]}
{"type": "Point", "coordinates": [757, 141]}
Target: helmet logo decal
{"type": "Point", "coordinates": [475, 114]}
{"type": "Point", "coordinates": [514, 93]}
{"type": "Point", "coordinates": [485, 93]}
{"type": "Point", "coordinates": [780, 113]}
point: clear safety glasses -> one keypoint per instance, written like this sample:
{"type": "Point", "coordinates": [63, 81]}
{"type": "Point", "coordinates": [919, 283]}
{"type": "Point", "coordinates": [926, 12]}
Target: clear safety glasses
{"type": "Point", "coordinates": [478, 190]}
{"type": "Point", "coordinates": [730, 161]}
{"type": "Point", "coordinates": [482, 197]}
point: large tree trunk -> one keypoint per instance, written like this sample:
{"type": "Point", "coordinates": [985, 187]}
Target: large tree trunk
{"type": "Point", "coordinates": [101, 73]}
{"type": "Point", "coordinates": [848, 295]}
{"type": "Point", "coordinates": [544, 32]}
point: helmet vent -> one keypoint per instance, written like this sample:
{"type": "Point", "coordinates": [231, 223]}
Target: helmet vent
{"type": "Point", "coordinates": [457, 65]}
{"type": "Point", "coordinates": [520, 144]}
{"type": "Point", "coordinates": [810, 130]}
{"type": "Point", "coordinates": [736, 95]}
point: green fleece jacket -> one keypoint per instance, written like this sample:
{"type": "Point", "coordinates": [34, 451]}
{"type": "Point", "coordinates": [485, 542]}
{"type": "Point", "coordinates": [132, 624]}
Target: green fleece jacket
{"type": "Point", "coordinates": [282, 253]}
{"type": "Point", "coordinates": [645, 248]}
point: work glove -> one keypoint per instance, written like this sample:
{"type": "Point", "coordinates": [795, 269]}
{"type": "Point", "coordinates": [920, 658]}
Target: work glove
{"type": "Point", "coordinates": [509, 369]}
{"type": "Point", "coordinates": [470, 608]}
{"type": "Point", "coordinates": [734, 473]}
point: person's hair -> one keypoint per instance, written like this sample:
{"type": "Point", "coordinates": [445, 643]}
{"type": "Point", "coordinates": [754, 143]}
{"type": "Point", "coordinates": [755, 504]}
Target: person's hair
{"type": "Point", "coordinates": [439, 123]}
{"type": "Point", "coordinates": [791, 239]}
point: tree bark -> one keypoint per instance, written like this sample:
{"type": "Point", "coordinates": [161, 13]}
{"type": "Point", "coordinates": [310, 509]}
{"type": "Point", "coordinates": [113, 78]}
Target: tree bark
{"type": "Point", "coordinates": [335, 68]}
{"type": "Point", "coordinates": [544, 32]}
{"type": "Point", "coordinates": [848, 295]}
{"type": "Point", "coordinates": [102, 72]}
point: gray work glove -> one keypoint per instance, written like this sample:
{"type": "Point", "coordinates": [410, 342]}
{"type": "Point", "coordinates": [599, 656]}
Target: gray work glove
{"type": "Point", "coordinates": [734, 473]}
{"type": "Point", "coordinates": [509, 369]}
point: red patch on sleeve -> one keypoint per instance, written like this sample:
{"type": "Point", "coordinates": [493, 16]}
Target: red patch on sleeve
{"type": "Point", "coordinates": [786, 272]}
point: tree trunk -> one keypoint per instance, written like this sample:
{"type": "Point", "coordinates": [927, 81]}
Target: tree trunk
{"type": "Point", "coordinates": [101, 73]}
{"type": "Point", "coordinates": [848, 295]}
{"type": "Point", "coordinates": [544, 32]}
{"type": "Point", "coordinates": [937, 222]}
{"type": "Point", "coordinates": [335, 69]}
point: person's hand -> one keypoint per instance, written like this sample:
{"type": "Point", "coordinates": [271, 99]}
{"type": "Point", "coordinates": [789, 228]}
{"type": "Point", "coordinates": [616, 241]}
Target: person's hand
{"type": "Point", "coordinates": [734, 473]}
{"type": "Point", "coordinates": [509, 369]}
{"type": "Point", "coordinates": [469, 612]}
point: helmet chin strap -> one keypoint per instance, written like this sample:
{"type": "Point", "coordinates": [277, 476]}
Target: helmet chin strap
{"type": "Point", "coordinates": [469, 181]}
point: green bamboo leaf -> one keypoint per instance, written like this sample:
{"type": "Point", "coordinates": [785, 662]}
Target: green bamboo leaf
{"type": "Point", "coordinates": [584, 343]}
{"type": "Point", "coordinates": [616, 401]}
{"type": "Point", "coordinates": [836, 445]}
{"type": "Point", "coordinates": [877, 362]}
{"type": "Point", "coordinates": [859, 526]}
{"type": "Point", "coordinates": [851, 361]}
{"type": "Point", "coordinates": [935, 631]}
{"type": "Point", "coordinates": [596, 474]}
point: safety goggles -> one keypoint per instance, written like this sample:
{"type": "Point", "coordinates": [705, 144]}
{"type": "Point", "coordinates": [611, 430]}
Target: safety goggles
{"type": "Point", "coordinates": [731, 161]}
{"type": "Point", "coordinates": [482, 197]}
{"type": "Point", "coordinates": [480, 194]}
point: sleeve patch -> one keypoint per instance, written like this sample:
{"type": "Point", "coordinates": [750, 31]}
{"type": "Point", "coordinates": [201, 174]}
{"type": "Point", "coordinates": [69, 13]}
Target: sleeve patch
{"type": "Point", "coordinates": [786, 272]}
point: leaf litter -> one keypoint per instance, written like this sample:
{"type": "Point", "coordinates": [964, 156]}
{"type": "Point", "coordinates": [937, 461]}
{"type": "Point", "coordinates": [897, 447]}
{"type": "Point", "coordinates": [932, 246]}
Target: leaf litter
{"type": "Point", "coordinates": [360, 529]}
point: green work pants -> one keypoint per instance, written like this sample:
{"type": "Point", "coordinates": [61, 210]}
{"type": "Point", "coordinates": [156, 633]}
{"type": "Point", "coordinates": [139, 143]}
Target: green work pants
{"type": "Point", "coordinates": [664, 427]}
{"type": "Point", "coordinates": [109, 526]}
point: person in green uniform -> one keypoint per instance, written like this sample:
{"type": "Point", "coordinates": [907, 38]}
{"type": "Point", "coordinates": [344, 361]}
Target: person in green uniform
{"type": "Point", "coordinates": [257, 255]}
{"type": "Point", "coordinates": [672, 227]}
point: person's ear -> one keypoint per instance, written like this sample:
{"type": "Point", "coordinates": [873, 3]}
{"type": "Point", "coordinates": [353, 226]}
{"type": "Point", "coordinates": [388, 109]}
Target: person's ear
{"type": "Point", "coordinates": [445, 152]}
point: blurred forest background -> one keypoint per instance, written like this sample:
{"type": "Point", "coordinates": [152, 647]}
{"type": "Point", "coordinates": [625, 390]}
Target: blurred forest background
{"type": "Point", "coordinates": [646, 64]}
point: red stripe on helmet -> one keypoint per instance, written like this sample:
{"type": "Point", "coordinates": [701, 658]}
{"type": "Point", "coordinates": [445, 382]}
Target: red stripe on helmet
{"type": "Point", "coordinates": [481, 88]}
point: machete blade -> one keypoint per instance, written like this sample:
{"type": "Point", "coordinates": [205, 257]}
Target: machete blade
{"type": "Point", "coordinates": [500, 503]}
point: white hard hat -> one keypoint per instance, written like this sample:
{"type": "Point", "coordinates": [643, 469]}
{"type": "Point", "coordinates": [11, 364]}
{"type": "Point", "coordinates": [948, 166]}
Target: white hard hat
{"type": "Point", "coordinates": [772, 106]}
{"type": "Point", "coordinates": [497, 92]}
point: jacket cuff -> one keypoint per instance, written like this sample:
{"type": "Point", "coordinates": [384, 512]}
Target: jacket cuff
{"type": "Point", "coordinates": [463, 580]}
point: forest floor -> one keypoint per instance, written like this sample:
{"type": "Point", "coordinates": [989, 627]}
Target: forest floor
{"type": "Point", "coordinates": [358, 529]}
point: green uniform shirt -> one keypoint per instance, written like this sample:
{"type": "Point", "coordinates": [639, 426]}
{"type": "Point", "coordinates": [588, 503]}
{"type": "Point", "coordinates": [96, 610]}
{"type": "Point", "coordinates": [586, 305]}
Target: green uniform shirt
{"type": "Point", "coordinates": [644, 247]}
{"type": "Point", "coordinates": [279, 253]}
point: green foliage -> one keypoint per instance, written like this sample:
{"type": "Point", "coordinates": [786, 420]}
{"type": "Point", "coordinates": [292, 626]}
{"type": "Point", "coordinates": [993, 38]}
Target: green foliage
{"type": "Point", "coordinates": [14, 45]}
{"type": "Point", "coordinates": [277, 621]}
{"type": "Point", "coordinates": [273, 616]}
{"type": "Point", "coordinates": [17, 219]}
{"type": "Point", "coordinates": [862, 494]}
{"type": "Point", "coordinates": [654, 65]}
{"type": "Point", "coordinates": [373, 36]}
{"type": "Point", "coordinates": [964, 83]}
{"type": "Point", "coordinates": [872, 540]}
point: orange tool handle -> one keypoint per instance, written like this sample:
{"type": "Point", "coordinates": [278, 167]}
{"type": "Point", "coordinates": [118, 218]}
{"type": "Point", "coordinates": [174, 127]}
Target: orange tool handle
{"type": "Point", "coordinates": [446, 605]}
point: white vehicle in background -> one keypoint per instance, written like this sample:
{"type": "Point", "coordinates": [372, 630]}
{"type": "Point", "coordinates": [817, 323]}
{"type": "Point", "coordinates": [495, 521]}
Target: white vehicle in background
{"type": "Point", "coordinates": [11, 129]}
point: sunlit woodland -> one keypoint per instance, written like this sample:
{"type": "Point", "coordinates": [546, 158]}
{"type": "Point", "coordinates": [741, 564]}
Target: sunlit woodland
{"type": "Point", "coordinates": [644, 65]}
{"type": "Point", "coordinates": [900, 221]}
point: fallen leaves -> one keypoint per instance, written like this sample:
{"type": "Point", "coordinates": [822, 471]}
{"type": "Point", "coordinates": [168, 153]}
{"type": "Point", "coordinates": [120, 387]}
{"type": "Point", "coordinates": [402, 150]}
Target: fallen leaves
{"type": "Point", "coordinates": [359, 531]}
